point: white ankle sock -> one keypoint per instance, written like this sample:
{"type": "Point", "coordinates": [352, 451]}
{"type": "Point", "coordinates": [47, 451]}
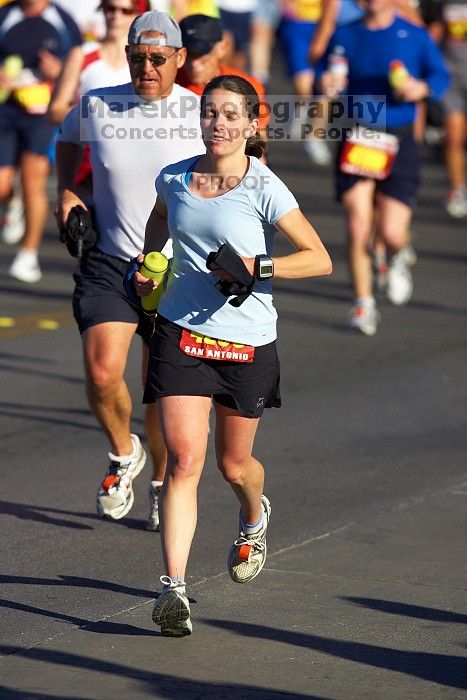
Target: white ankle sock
{"type": "Point", "coordinates": [252, 528]}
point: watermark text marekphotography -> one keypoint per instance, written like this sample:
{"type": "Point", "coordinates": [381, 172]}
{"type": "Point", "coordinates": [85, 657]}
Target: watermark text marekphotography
{"type": "Point", "coordinates": [285, 118]}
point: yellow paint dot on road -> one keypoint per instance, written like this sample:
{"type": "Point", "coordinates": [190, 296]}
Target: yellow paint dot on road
{"type": "Point", "coordinates": [47, 324]}
{"type": "Point", "coordinates": [7, 322]}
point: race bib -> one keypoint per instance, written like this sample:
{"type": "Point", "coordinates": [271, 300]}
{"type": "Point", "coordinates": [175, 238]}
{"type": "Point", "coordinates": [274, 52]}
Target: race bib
{"type": "Point", "coordinates": [369, 156]}
{"type": "Point", "coordinates": [197, 345]}
{"type": "Point", "coordinates": [309, 10]}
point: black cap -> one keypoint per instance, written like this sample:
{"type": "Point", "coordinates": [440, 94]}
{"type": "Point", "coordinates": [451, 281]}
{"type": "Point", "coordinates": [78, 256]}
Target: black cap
{"type": "Point", "coordinates": [200, 32]}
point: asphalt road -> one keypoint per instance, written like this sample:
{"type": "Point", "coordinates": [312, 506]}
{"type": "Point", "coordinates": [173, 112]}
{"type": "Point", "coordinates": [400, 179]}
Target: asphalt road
{"type": "Point", "coordinates": [363, 592]}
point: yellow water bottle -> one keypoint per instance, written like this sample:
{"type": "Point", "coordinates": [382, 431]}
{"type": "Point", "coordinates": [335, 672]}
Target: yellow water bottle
{"type": "Point", "coordinates": [398, 74]}
{"type": "Point", "coordinates": [11, 67]}
{"type": "Point", "coordinates": [156, 267]}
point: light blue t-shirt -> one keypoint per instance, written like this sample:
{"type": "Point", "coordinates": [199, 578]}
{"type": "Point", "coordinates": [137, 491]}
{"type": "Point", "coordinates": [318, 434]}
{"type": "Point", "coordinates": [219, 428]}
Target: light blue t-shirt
{"type": "Point", "coordinates": [243, 217]}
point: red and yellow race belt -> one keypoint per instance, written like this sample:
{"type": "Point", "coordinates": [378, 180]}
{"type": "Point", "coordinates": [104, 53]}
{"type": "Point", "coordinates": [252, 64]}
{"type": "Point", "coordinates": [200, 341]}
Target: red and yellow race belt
{"type": "Point", "coordinates": [370, 156]}
{"type": "Point", "coordinates": [197, 345]}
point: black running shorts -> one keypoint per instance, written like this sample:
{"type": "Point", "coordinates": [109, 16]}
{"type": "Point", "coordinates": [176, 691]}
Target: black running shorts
{"type": "Point", "coordinates": [99, 295]}
{"type": "Point", "coordinates": [403, 181]}
{"type": "Point", "coordinates": [246, 387]}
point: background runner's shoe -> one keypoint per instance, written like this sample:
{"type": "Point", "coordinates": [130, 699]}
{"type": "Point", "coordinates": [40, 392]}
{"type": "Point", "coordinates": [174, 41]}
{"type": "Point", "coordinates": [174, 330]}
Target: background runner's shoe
{"type": "Point", "coordinates": [247, 555]}
{"type": "Point", "coordinates": [153, 520]}
{"type": "Point", "coordinates": [115, 495]}
{"type": "Point", "coordinates": [457, 202]}
{"type": "Point", "coordinates": [364, 317]}
{"type": "Point", "coordinates": [400, 284]}
{"type": "Point", "coordinates": [13, 223]}
{"type": "Point", "coordinates": [172, 609]}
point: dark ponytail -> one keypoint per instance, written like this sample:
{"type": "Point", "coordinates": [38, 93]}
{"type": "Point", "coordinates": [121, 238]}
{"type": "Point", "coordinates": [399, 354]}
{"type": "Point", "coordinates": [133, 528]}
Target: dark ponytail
{"type": "Point", "coordinates": [255, 145]}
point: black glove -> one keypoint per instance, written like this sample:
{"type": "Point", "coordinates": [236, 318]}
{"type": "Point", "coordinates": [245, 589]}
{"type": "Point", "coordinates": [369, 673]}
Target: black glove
{"type": "Point", "coordinates": [78, 234]}
{"type": "Point", "coordinates": [133, 266]}
{"type": "Point", "coordinates": [227, 259]}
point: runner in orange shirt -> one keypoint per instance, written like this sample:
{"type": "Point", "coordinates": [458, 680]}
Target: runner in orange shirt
{"type": "Point", "coordinates": [203, 40]}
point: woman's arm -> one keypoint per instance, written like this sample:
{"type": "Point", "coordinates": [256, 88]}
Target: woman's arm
{"type": "Point", "coordinates": [157, 230]}
{"type": "Point", "coordinates": [311, 258]}
{"type": "Point", "coordinates": [67, 85]}
{"type": "Point", "coordinates": [156, 236]}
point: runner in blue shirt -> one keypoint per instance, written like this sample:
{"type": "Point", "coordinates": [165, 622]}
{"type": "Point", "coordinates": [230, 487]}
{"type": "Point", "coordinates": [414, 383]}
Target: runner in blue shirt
{"type": "Point", "coordinates": [393, 65]}
{"type": "Point", "coordinates": [211, 342]}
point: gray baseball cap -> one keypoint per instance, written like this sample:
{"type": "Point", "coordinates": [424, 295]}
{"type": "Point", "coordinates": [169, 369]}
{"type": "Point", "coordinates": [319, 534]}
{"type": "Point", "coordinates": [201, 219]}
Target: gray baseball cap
{"type": "Point", "coordinates": [155, 22]}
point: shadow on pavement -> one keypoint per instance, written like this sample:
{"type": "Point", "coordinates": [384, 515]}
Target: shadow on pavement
{"type": "Point", "coordinates": [27, 412]}
{"type": "Point", "coordinates": [158, 684]}
{"type": "Point", "coordinates": [99, 627]}
{"type": "Point", "coordinates": [26, 511]}
{"type": "Point", "coordinates": [437, 668]}
{"type": "Point", "coordinates": [78, 582]}
{"type": "Point", "coordinates": [406, 610]}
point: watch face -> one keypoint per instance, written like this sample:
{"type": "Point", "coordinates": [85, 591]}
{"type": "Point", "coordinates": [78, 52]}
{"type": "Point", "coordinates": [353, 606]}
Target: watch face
{"type": "Point", "coordinates": [266, 270]}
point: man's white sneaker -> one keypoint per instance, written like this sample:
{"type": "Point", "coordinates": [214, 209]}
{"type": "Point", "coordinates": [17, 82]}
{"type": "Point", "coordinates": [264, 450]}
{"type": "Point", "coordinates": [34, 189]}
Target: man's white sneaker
{"type": "Point", "coordinates": [115, 495]}
{"type": "Point", "coordinates": [172, 609]}
{"type": "Point", "coordinates": [25, 266]}
{"type": "Point", "coordinates": [247, 555]}
{"type": "Point", "coordinates": [317, 151]}
{"type": "Point", "coordinates": [153, 520]}
{"type": "Point", "coordinates": [456, 204]}
{"type": "Point", "coordinates": [13, 223]}
{"type": "Point", "coordinates": [364, 317]}
{"type": "Point", "coordinates": [400, 285]}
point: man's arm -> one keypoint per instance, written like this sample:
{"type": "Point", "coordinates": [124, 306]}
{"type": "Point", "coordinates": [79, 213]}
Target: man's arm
{"type": "Point", "coordinates": [68, 158]}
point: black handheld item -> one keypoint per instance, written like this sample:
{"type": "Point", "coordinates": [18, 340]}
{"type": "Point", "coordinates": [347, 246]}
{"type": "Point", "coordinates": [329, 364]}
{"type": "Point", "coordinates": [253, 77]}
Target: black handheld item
{"type": "Point", "coordinates": [227, 259]}
{"type": "Point", "coordinates": [79, 234]}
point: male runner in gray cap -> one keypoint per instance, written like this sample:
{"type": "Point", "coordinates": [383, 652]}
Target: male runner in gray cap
{"type": "Point", "coordinates": [133, 130]}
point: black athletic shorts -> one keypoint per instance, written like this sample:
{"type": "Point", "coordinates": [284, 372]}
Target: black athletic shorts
{"type": "Point", "coordinates": [99, 295]}
{"type": "Point", "coordinates": [246, 387]}
{"type": "Point", "coordinates": [403, 181]}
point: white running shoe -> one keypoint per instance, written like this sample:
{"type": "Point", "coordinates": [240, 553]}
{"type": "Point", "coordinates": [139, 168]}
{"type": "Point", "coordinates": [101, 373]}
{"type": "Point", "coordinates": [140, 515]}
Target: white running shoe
{"type": "Point", "coordinates": [153, 520]}
{"type": "Point", "coordinates": [317, 151]}
{"type": "Point", "coordinates": [115, 495]}
{"type": "Point", "coordinates": [25, 266]}
{"type": "Point", "coordinates": [409, 255]}
{"type": "Point", "coordinates": [456, 204]}
{"type": "Point", "coordinates": [172, 609]}
{"type": "Point", "coordinates": [247, 555]}
{"type": "Point", "coordinates": [13, 224]}
{"type": "Point", "coordinates": [364, 317]}
{"type": "Point", "coordinates": [400, 284]}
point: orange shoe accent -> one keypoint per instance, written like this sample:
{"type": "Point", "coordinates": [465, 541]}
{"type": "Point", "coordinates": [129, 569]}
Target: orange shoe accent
{"type": "Point", "coordinates": [359, 312]}
{"type": "Point", "coordinates": [244, 552]}
{"type": "Point", "coordinates": [110, 481]}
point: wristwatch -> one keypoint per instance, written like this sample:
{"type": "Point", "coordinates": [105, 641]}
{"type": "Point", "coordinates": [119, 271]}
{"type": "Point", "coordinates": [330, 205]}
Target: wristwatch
{"type": "Point", "coordinates": [264, 267]}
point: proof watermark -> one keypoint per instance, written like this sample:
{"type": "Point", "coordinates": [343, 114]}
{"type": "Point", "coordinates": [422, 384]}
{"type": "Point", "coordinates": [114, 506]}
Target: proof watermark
{"type": "Point", "coordinates": [107, 117]}
{"type": "Point", "coordinates": [218, 183]}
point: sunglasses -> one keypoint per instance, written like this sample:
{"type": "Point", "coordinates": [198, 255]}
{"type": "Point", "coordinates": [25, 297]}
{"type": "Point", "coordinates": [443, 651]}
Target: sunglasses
{"type": "Point", "coordinates": [156, 59]}
{"type": "Point", "coordinates": [113, 9]}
